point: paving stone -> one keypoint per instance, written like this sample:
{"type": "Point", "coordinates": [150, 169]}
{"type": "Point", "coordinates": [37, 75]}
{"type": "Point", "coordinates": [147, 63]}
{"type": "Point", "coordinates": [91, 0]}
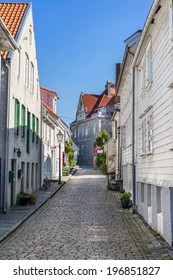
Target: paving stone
{"type": "Point", "coordinates": [84, 220]}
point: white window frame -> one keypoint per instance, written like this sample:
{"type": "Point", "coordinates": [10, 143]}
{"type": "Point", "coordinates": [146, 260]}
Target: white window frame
{"type": "Point", "coordinates": [149, 72]}
{"type": "Point", "coordinates": [150, 132]}
{"type": "Point", "coordinates": [143, 74]}
{"type": "Point", "coordinates": [26, 70]}
{"type": "Point", "coordinates": [143, 136]}
{"type": "Point", "coordinates": [32, 77]}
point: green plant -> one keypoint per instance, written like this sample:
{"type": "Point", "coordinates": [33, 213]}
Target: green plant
{"type": "Point", "coordinates": [101, 138]}
{"type": "Point", "coordinates": [22, 193]}
{"type": "Point", "coordinates": [125, 199]}
{"type": "Point", "coordinates": [73, 162]}
{"type": "Point", "coordinates": [69, 151]}
{"type": "Point", "coordinates": [126, 196]}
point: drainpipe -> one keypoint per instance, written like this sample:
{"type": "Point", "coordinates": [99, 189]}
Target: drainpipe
{"type": "Point", "coordinates": [6, 172]}
{"type": "Point", "coordinates": [41, 145]}
{"type": "Point", "coordinates": [171, 211]}
{"type": "Point", "coordinates": [133, 145]}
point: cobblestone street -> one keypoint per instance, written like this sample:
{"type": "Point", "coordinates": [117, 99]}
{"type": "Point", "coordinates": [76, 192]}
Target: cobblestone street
{"type": "Point", "coordinates": [84, 221]}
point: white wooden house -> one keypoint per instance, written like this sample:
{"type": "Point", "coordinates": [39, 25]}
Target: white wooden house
{"type": "Point", "coordinates": [21, 86]}
{"type": "Point", "coordinates": [7, 43]}
{"type": "Point", "coordinates": [153, 67]}
{"type": "Point", "coordinates": [124, 90]}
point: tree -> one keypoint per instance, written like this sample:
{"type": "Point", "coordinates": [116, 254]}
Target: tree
{"type": "Point", "coordinates": [69, 152]}
{"type": "Point", "coordinates": [101, 138]}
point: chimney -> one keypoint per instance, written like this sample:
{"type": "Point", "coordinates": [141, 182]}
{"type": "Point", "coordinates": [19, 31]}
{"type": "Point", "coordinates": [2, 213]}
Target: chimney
{"type": "Point", "coordinates": [118, 68]}
{"type": "Point", "coordinates": [110, 88]}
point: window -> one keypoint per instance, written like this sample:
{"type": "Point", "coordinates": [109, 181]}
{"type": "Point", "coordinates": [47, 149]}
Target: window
{"type": "Point", "coordinates": [149, 64]}
{"type": "Point", "coordinates": [143, 74]}
{"type": "Point", "coordinates": [37, 130]}
{"type": "Point", "coordinates": [38, 89]}
{"type": "Point", "coordinates": [33, 128]}
{"type": "Point", "coordinates": [75, 133]}
{"type": "Point", "coordinates": [19, 59]}
{"type": "Point", "coordinates": [16, 117]}
{"type": "Point", "coordinates": [30, 37]}
{"type": "Point", "coordinates": [26, 70]}
{"type": "Point", "coordinates": [143, 136]}
{"type": "Point", "coordinates": [32, 78]}
{"type": "Point", "coordinates": [86, 130]}
{"type": "Point", "coordinates": [146, 134]}
{"type": "Point", "coordinates": [150, 132]}
{"type": "Point", "coordinates": [82, 150]}
{"type": "Point", "coordinates": [23, 118]}
{"type": "Point", "coordinates": [171, 20]}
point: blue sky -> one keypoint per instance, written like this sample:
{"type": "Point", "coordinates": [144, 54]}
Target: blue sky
{"type": "Point", "coordinates": [78, 43]}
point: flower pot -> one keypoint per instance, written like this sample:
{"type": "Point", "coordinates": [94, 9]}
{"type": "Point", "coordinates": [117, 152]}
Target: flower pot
{"type": "Point", "coordinates": [32, 199]}
{"type": "Point", "coordinates": [24, 200]}
{"type": "Point", "coordinates": [125, 203]}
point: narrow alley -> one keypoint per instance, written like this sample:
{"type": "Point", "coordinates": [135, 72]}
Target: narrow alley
{"type": "Point", "coordinates": [84, 220]}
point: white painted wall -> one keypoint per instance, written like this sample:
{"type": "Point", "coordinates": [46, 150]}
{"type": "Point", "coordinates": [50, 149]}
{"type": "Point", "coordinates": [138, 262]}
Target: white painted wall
{"type": "Point", "coordinates": [31, 101]}
{"type": "Point", "coordinates": [156, 169]}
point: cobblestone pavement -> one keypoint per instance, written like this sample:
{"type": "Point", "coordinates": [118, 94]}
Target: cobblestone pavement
{"type": "Point", "coordinates": [84, 221]}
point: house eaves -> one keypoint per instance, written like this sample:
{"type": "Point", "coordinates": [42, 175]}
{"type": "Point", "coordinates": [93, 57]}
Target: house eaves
{"type": "Point", "coordinates": [154, 9]}
{"type": "Point", "coordinates": [131, 45]}
{"type": "Point", "coordinates": [7, 42]}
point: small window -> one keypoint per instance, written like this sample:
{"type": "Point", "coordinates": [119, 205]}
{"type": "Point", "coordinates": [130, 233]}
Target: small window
{"type": "Point", "coordinates": [32, 78]}
{"type": "Point", "coordinates": [150, 132]}
{"type": "Point", "coordinates": [149, 64]}
{"type": "Point", "coordinates": [26, 70]}
{"type": "Point", "coordinates": [30, 37]}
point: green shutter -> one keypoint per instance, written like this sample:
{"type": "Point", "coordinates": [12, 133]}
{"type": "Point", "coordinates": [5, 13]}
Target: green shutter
{"type": "Point", "coordinates": [33, 128]}
{"type": "Point", "coordinates": [37, 126]}
{"type": "Point", "coordinates": [16, 117]}
{"type": "Point", "coordinates": [28, 133]}
{"type": "Point", "coordinates": [23, 122]}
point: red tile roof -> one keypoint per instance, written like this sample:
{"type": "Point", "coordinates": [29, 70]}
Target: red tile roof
{"type": "Point", "coordinates": [12, 15]}
{"type": "Point", "coordinates": [50, 110]}
{"type": "Point", "coordinates": [48, 91]}
{"type": "Point", "coordinates": [89, 101]}
{"type": "Point", "coordinates": [93, 102]}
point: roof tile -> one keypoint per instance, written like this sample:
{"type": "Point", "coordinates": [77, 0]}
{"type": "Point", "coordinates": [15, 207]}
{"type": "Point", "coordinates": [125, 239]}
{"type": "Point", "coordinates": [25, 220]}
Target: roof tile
{"type": "Point", "coordinates": [12, 14]}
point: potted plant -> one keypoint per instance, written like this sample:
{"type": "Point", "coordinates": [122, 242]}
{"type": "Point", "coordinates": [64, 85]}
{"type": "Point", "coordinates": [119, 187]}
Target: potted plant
{"type": "Point", "coordinates": [23, 198]}
{"type": "Point", "coordinates": [65, 171]}
{"type": "Point", "coordinates": [32, 199]}
{"type": "Point", "coordinates": [125, 199]}
{"type": "Point", "coordinates": [46, 183]}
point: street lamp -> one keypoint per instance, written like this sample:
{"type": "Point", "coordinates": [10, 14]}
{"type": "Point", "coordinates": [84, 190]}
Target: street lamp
{"type": "Point", "coordinates": [59, 137]}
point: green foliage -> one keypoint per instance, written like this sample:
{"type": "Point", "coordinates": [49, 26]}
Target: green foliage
{"type": "Point", "coordinates": [101, 159]}
{"type": "Point", "coordinates": [69, 150]}
{"type": "Point", "coordinates": [73, 162]}
{"type": "Point", "coordinates": [66, 168]}
{"type": "Point", "coordinates": [101, 138]}
{"type": "Point", "coordinates": [126, 196]}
